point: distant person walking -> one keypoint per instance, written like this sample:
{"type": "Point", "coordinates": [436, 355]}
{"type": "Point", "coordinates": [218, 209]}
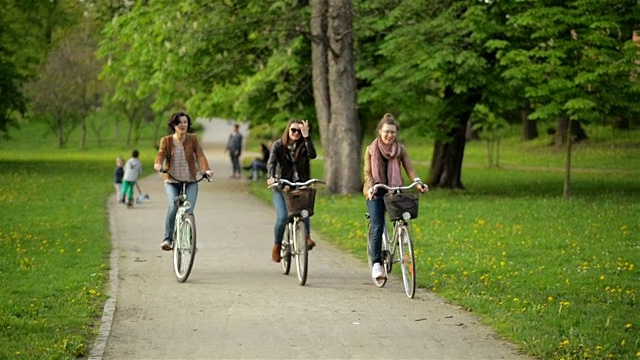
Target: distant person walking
{"type": "Point", "coordinates": [117, 178]}
{"type": "Point", "coordinates": [132, 170]}
{"type": "Point", "coordinates": [289, 159]}
{"type": "Point", "coordinates": [234, 147]}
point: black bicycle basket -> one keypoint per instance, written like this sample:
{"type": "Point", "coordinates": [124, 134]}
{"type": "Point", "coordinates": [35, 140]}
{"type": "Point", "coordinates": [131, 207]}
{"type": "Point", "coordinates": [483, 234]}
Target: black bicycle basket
{"type": "Point", "coordinates": [300, 199]}
{"type": "Point", "coordinates": [399, 203]}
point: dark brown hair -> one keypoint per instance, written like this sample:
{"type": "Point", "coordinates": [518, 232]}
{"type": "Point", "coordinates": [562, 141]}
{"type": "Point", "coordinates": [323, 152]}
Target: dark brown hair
{"type": "Point", "coordinates": [174, 121]}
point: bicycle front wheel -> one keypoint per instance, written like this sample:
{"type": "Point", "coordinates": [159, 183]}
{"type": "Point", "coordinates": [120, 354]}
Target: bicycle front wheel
{"type": "Point", "coordinates": [300, 251]}
{"type": "Point", "coordinates": [184, 248]}
{"type": "Point", "coordinates": [285, 250]}
{"type": "Point", "coordinates": [407, 263]}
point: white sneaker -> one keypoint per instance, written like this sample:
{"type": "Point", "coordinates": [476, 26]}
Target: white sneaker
{"type": "Point", "coordinates": [377, 272]}
{"type": "Point", "coordinates": [166, 246]}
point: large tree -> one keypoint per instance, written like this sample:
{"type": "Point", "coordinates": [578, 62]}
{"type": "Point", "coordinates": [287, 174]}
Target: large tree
{"type": "Point", "coordinates": [576, 67]}
{"type": "Point", "coordinates": [334, 89]}
{"type": "Point", "coordinates": [433, 69]}
{"type": "Point", "coordinates": [242, 60]}
{"type": "Point", "coordinates": [67, 88]}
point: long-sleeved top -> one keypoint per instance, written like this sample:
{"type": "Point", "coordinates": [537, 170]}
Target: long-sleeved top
{"type": "Point", "coordinates": [282, 163]}
{"type": "Point", "coordinates": [118, 175]}
{"type": "Point", "coordinates": [368, 175]}
{"type": "Point", "coordinates": [234, 145]}
{"type": "Point", "coordinates": [132, 170]}
{"type": "Point", "coordinates": [192, 150]}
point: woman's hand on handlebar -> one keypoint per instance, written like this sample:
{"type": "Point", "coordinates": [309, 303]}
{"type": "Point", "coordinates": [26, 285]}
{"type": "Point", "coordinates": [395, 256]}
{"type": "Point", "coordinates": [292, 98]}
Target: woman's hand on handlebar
{"type": "Point", "coordinates": [157, 167]}
{"type": "Point", "coordinates": [370, 193]}
{"type": "Point", "coordinates": [271, 181]}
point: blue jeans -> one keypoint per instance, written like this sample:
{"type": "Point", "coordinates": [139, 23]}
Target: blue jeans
{"type": "Point", "coordinates": [172, 190]}
{"type": "Point", "coordinates": [282, 217]}
{"type": "Point", "coordinates": [256, 168]}
{"type": "Point", "coordinates": [376, 213]}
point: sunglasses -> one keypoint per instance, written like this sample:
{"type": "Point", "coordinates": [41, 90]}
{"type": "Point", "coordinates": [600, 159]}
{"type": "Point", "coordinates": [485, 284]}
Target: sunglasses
{"type": "Point", "coordinates": [295, 130]}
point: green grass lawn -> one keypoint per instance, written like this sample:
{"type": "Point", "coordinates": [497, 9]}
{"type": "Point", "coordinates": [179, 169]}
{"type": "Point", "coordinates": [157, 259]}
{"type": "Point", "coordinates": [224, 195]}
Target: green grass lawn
{"type": "Point", "coordinates": [558, 278]}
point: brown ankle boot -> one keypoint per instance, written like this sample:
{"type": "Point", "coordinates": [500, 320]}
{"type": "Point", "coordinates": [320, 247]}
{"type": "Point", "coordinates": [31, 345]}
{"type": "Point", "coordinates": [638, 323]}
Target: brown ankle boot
{"type": "Point", "coordinates": [275, 253]}
{"type": "Point", "coordinates": [310, 243]}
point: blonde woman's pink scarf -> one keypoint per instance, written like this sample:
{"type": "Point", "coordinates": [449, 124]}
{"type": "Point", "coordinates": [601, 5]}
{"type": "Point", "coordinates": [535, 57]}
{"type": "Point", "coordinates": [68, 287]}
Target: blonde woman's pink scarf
{"type": "Point", "coordinates": [378, 150]}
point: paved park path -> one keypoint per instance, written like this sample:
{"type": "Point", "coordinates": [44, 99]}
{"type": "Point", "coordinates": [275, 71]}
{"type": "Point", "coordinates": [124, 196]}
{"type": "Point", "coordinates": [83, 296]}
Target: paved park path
{"type": "Point", "coordinates": [237, 304]}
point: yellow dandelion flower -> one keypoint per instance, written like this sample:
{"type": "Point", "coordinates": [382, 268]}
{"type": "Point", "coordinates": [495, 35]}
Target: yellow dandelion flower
{"type": "Point", "coordinates": [628, 326]}
{"type": "Point", "coordinates": [601, 277]}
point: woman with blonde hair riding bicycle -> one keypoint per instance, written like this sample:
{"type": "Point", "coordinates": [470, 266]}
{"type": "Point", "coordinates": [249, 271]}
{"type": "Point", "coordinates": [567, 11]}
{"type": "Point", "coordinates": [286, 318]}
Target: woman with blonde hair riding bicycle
{"type": "Point", "coordinates": [289, 159]}
{"type": "Point", "coordinates": [383, 160]}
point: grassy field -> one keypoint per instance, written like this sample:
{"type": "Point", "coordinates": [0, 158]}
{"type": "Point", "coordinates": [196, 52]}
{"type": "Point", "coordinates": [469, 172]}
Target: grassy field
{"type": "Point", "coordinates": [54, 232]}
{"type": "Point", "coordinates": [558, 278]}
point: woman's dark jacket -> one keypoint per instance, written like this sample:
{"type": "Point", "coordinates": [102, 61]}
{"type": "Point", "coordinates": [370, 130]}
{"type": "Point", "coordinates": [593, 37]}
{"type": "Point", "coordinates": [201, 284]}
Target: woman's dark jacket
{"type": "Point", "coordinates": [281, 165]}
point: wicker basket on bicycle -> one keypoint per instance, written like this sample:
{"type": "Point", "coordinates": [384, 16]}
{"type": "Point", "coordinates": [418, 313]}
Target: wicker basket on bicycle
{"type": "Point", "coordinates": [399, 203]}
{"type": "Point", "coordinates": [300, 199]}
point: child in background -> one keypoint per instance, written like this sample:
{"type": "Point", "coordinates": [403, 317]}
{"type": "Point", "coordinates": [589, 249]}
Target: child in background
{"type": "Point", "coordinates": [132, 170]}
{"type": "Point", "coordinates": [118, 175]}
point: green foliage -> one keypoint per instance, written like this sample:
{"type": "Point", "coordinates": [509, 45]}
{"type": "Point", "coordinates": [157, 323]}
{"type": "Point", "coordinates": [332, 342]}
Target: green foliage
{"type": "Point", "coordinates": [572, 65]}
{"type": "Point", "coordinates": [24, 44]}
{"type": "Point", "coordinates": [217, 59]}
{"type": "Point", "coordinates": [55, 231]}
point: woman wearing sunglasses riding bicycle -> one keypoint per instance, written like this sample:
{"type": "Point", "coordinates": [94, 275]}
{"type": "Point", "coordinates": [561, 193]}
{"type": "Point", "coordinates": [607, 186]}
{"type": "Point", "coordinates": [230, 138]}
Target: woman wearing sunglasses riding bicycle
{"type": "Point", "coordinates": [179, 151]}
{"type": "Point", "coordinates": [289, 159]}
{"type": "Point", "coordinates": [383, 159]}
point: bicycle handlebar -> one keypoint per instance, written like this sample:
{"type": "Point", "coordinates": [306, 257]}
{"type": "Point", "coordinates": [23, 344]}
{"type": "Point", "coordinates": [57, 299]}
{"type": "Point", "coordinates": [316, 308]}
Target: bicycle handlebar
{"type": "Point", "coordinates": [415, 183]}
{"type": "Point", "coordinates": [203, 176]}
{"type": "Point", "coordinates": [296, 184]}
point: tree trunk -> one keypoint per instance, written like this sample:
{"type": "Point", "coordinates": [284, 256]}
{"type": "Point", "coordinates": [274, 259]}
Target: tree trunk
{"type": "Point", "coordinates": [470, 133]}
{"type": "Point", "coordinates": [334, 90]}
{"type": "Point", "coordinates": [562, 130]}
{"type": "Point", "coordinates": [60, 131]}
{"type": "Point", "coordinates": [83, 137]}
{"type": "Point", "coordinates": [446, 164]}
{"type": "Point", "coordinates": [566, 193]}
{"type": "Point", "coordinates": [529, 127]}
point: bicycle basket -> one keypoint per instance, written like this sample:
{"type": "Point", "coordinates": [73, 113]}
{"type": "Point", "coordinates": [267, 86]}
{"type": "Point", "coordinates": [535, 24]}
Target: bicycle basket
{"type": "Point", "coordinates": [397, 204]}
{"type": "Point", "coordinates": [300, 199]}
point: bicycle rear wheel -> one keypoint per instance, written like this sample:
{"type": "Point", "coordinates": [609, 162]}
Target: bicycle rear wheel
{"type": "Point", "coordinates": [407, 263]}
{"type": "Point", "coordinates": [285, 250]}
{"type": "Point", "coordinates": [300, 251]}
{"type": "Point", "coordinates": [184, 248]}
{"type": "Point", "coordinates": [383, 281]}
